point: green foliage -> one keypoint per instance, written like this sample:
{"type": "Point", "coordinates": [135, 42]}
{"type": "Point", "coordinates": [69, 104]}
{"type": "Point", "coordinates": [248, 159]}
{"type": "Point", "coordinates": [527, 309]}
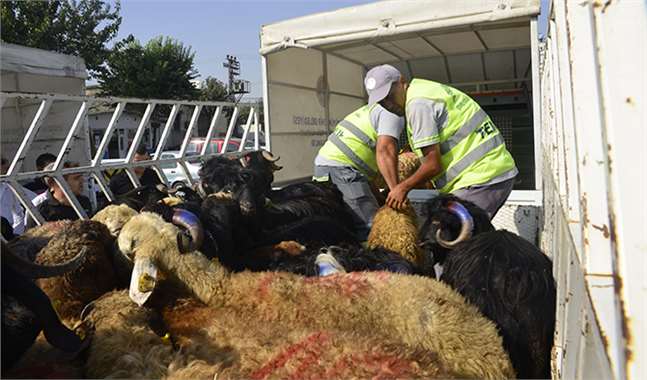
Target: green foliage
{"type": "Point", "coordinates": [80, 27]}
{"type": "Point", "coordinates": [162, 69]}
{"type": "Point", "coordinates": [213, 90]}
{"type": "Point", "coordinates": [244, 110]}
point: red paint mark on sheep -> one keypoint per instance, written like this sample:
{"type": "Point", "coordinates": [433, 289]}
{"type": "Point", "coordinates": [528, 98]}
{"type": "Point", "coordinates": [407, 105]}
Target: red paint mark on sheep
{"type": "Point", "coordinates": [309, 361]}
{"type": "Point", "coordinates": [312, 342]}
{"type": "Point", "coordinates": [351, 284]}
{"type": "Point", "coordinates": [264, 285]}
{"type": "Point", "coordinates": [380, 365]}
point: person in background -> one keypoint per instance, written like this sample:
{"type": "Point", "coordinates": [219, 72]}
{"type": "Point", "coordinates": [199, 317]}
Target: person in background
{"type": "Point", "coordinates": [10, 207]}
{"type": "Point", "coordinates": [38, 185]}
{"type": "Point", "coordinates": [56, 205]}
{"type": "Point", "coordinates": [120, 183]}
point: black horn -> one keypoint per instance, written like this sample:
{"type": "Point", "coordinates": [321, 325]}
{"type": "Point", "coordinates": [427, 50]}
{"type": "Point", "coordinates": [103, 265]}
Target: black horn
{"type": "Point", "coordinates": [189, 221]}
{"type": "Point", "coordinates": [467, 225]}
{"type": "Point", "coordinates": [270, 157]}
{"type": "Point", "coordinates": [33, 270]}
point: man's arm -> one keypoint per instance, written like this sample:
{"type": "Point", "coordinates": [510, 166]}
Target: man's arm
{"type": "Point", "coordinates": [426, 118]}
{"type": "Point", "coordinates": [430, 167]}
{"type": "Point", "coordinates": [387, 159]}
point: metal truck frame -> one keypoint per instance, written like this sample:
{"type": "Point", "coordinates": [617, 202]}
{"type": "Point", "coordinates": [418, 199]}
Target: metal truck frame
{"type": "Point", "coordinates": [95, 167]}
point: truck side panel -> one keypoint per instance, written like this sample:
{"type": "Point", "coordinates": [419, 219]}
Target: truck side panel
{"type": "Point", "coordinates": [592, 81]}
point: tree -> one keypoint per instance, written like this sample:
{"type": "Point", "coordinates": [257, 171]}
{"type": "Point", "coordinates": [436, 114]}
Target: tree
{"type": "Point", "coordinates": [80, 28]}
{"type": "Point", "coordinates": [213, 90]}
{"type": "Point", "coordinates": [243, 115]}
{"type": "Point", "coordinates": [161, 69]}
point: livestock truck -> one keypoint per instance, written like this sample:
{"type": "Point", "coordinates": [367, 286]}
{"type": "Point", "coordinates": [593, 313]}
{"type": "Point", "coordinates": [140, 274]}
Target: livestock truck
{"type": "Point", "coordinates": [565, 83]}
{"type": "Point", "coordinates": [570, 105]}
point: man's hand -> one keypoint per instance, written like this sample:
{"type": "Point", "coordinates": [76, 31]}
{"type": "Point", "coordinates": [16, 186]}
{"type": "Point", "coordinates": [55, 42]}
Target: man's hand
{"type": "Point", "coordinates": [429, 168]}
{"type": "Point", "coordinates": [398, 196]}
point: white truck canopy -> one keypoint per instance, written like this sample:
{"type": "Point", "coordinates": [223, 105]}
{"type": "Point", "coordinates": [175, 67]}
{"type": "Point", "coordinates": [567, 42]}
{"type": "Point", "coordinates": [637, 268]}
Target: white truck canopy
{"type": "Point", "coordinates": [30, 70]}
{"type": "Point", "coordinates": [393, 18]}
{"type": "Point", "coordinates": [314, 65]}
{"type": "Point", "coordinates": [26, 60]}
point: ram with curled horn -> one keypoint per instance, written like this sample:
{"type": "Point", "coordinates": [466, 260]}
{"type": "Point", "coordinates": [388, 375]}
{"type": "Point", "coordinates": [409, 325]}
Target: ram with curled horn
{"type": "Point", "coordinates": [506, 277]}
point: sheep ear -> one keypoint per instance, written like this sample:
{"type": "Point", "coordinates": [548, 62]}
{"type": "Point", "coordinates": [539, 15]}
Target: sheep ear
{"type": "Point", "coordinates": [142, 280]}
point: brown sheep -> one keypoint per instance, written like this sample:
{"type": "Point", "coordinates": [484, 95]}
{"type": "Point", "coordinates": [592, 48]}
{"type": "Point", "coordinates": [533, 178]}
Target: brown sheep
{"type": "Point", "coordinates": [114, 217]}
{"type": "Point", "coordinates": [128, 347]}
{"type": "Point", "coordinates": [251, 350]}
{"type": "Point", "coordinates": [72, 291]}
{"type": "Point", "coordinates": [411, 314]}
{"type": "Point", "coordinates": [408, 163]}
{"type": "Point", "coordinates": [222, 342]}
{"type": "Point", "coordinates": [33, 240]}
{"type": "Point", "coordinates": [397, 231]}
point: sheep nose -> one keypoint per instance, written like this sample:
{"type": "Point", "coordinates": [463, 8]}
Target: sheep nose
{"type": "Point", "coordinates": [323, 250]}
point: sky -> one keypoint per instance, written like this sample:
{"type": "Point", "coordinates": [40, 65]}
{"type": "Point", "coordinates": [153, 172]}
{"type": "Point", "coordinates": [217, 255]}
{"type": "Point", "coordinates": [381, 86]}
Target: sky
{"type": "Point", "coordinates": [216, 28]}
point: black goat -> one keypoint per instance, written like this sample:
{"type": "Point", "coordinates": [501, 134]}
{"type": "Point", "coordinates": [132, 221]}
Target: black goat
{"type": "Point", "coordinates": [265, 210]}
{"type": "Point", "coordinates": [351, 257]}
{"type": "Point", "coordinates": [505, 276]}
{"type": "Point", "coordinates": [235, 239]}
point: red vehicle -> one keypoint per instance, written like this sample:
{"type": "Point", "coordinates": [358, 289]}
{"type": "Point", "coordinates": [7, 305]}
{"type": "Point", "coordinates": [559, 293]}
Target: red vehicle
{"type": "Point", "coordinates": [215, 146]}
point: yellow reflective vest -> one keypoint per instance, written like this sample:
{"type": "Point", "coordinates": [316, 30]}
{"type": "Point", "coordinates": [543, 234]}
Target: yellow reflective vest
{"type": "Point", "coordinates": [472, 149]}
{"type": "Point", "coordinates": [353, 142]}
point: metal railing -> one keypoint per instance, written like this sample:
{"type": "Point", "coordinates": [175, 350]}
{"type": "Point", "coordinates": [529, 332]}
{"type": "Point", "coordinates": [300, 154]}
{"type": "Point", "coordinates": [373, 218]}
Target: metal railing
{"type": "Point", "coordinates": [95, 167]}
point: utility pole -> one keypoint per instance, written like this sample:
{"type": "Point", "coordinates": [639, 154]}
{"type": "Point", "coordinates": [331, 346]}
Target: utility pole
{"type": "Point", "coordinates": [235, 86]}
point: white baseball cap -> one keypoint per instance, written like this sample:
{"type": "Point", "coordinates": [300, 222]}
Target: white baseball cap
{"type": "Point", "coordinates": [378, 82]}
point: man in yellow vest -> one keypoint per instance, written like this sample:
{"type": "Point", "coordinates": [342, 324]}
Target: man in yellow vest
{"type": "Point", "coordinates": [362, 145]}
{"type": "Point", "coordinates": [461, 149]}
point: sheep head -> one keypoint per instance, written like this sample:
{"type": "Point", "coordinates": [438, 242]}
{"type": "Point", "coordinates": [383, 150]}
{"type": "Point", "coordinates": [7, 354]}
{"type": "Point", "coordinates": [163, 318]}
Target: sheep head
{"type": "Point", "coordinates": [467, 225]}
{"type": "Point", "coordinates": [143, 239]}
{"type": "Point", "coordinates": [227, 178]}
{"type": "Point", "coordinates": [153, 244]}
{"type": "Point", "coordinates": [115, 217]}
{"type": "Point", "coordinates": [172, 209]}
{"type": "Point", "coordinates": [450, 221]}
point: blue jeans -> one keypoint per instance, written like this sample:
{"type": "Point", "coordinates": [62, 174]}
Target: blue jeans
{"type": "Point", "coordinates": [357, 194]}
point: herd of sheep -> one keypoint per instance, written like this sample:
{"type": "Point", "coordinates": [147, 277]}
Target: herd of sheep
{"type": "Point", "coordinates": [222, 282]}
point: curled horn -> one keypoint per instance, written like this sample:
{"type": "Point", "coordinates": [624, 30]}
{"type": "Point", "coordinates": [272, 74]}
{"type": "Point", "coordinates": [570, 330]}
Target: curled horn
{"type": "Point", "coordinates": [201, 190]}
{"type": "Point", "coordinates": [33, 270]}
{"type": "Point", "coordinates": [162, 188]}
{"type": "Point", "coordinates": [467, 225]}
{"type": "Point", "coordinates": [189, 221]}
{"type": "Point", "coordinates": [244, 161]}
{"type": "Point", "coordinates": [270, 157]}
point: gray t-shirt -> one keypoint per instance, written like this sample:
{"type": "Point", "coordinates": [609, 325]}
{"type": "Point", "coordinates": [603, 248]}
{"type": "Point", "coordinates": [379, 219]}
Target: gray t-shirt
{"type": "Point", "coordinates": [384, 122]}
{"type": "Point", "coordinates": [426, 118]}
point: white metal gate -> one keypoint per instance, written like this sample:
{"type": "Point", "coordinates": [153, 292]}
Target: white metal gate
{"type": "Point", "coordinates": [95, 165]}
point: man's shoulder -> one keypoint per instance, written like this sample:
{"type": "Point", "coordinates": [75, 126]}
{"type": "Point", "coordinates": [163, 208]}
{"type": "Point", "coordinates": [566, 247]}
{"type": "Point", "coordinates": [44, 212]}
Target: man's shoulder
{"type": "Point", "coordinates": [381, 116]}
{"type": "Point", "coordinates": [120, 175]}
{"type": "Point", "coordinates": [150, 177]}
{"type": "Point", "coordinates": [424, 103]}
